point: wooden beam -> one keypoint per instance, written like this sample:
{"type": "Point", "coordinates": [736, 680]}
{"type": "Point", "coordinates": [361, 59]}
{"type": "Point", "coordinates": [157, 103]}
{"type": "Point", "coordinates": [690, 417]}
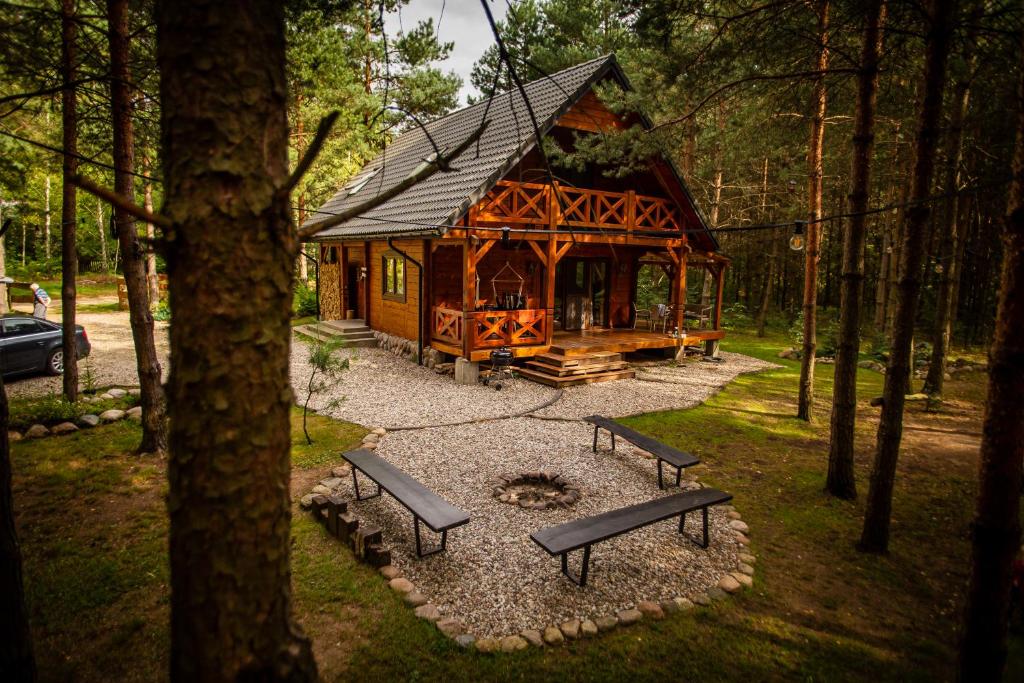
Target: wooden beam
{"type": "Point", "coordinates": [539, 252]}
{"type": "Point", "coordinates": [680, 310]}
{"type": "Point", "coordinates": [562, 251]}
{"type": "Point", "coordinates": [482, 250]}
{"type": "Point", "coordinates": [343, 277]}
{"type": "Point", "coordinates": [468, 294]}
{"type": "Point", "coordinates": [367, 289]}
{"type": "Point", "coordinates": [718, 298]}
{"type": "Point", "coordinates": [550, 267]}
{"type": "Point", "coordinates": [672, 255]}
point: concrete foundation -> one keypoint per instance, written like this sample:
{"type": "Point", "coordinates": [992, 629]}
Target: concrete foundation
{"type": "Point", "coordinates": [466, 371]}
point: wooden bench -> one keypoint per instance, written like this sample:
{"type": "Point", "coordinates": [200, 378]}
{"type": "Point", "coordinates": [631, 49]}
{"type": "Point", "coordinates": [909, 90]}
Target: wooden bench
{"type": "Point", "coordinates": [583, 533]}
{"type": "Point", "coordinates": [673, 456]}
{"type": "Point", "coordinates": [424, 504]}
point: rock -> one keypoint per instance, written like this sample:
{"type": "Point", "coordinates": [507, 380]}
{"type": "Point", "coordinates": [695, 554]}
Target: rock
{"type": "Point", "coordinates": [743, 540]}
{"type": "Point", "coordinates": [465, 640]}
{"type": "Point", "coordinates": [14, 436]}
{"type": "Point", "coordinates": [371, 438]}
{"type": "Point", "coordinates": [747, 558]}
{"type": "Point", "coordinates": [740, 526]}
{"type": "Point", "coordinates": [533, 637]}
{"type": "Point", "coordinates": [743, 579]}
{"type": "Point", "coordinates": [306, 502]}
{"type": "Point", "coordinates": [588, 628]}
{"type": "Point", "coordinates": [650, 609]}
{"type": "Point", "coordinates": [629, 616]}
{"type": "Point", "coordinates": [401, 585]}
{"type": "Point", "coordinates": [36, 432]}
{"type": "Point", "coordinates": [322, 490]}
{"type": "Point", "coordinates": [415, 599]}
{"type": "Point", "coordinates": [117, 393]}
{"type": "Point", "coordinates": [682, 604]}
{"type": "Point", "coordinates": [488, 645]}
{"type": "Point", "coordinates": [106, 396]}
{"type": "Point", "coordinates": [389, 572]}
{"type": "Point", "coordinates": [729, 584]}
{"type": "Point", "coordinates": [745, 569]}
{"type": "Point", "coordinates": [732, 514]}
{"type": "Point", "coordinates": [449, 626]}
{"type": "Point", "coordinates": [380, 431]}
{"type": "Point", "coordinates": [428, 612]}
{"type": "Point", "coordinates": [135, 392]}
{"type": "Point", "coordinates": [341, 471]}
{"type": "Point", "coordinates": [370, 445]}
{"type": "Point", "coordinates": [112, 415]}
{"type": "Point", "coordinates": [331, 482]}
{"type": "Point", "coordinates": [571, 629]}
{"type": "Point", "coordinates": [513, 644]}
{"type": "Point", "coordinates": [669, 607]}
{"type": "Point", "coordinates": [64, 428]}
{"type": "Point", "coordinates": [553, 636]}
{"type": "Point", "coordinates": [606, 623]}
{"type": "Point", "coordinates": [702, 599]}
{"type": "Point", "coordinates": [134, 413]}
{"type": "Point", "coordinates": [89, 420]}
{"type": "Point", "coordinates": [717, 594]}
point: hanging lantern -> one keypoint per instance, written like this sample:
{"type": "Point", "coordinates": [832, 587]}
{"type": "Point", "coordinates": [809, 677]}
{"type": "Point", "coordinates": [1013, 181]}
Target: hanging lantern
{"type": "Point", "coordinates": [506, 241]}
{"type": "Point", "coordinates": [796, 242]}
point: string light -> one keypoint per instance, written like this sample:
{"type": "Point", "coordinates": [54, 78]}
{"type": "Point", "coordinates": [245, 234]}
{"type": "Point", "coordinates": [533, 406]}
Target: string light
{"type": "Point", "coordinates": [796, 242]}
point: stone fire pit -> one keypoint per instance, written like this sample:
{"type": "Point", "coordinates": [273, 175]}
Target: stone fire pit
{"type": "Point", "coordinates": [536, 490]}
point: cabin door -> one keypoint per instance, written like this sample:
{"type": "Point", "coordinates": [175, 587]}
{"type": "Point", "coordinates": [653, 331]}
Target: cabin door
{"type": "Point", "coordinates": [582, 293]}
{"type": "Point", "coordinates": [355, 291]}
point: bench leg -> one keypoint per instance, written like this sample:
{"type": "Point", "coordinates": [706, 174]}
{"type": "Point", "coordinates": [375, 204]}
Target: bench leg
{"type": "Point", "coordinates": [682, 524]}
{"type": "Point", "coordinates": [419, 546]}
{"type": "Point", "coordinates": [355, 485]}
{"type": "Point", "coordinates": [581, 578]}
{"type": "Point", "coordinates": [679, 475]}
{"type": "Point", "coordinates": [595, 439]}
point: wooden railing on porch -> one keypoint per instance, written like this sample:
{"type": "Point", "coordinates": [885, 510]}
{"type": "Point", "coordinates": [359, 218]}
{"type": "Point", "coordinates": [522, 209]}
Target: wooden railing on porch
{"type": "Point", "coordinates": [531, 204]}
{"type": "Point", "coordinates": [490, 329]}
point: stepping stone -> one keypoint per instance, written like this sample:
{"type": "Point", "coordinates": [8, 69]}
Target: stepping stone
{"type": "Point", "coordinates": [571, 629]}
{"type": "Point", "coordinates": [629, 616]}
{"type": "Point", "coordinates": [37, 432]}
{"type": "Point", "coordinates": [553, 635]}
{"type": "Point", "coordinates": [588, 628]}
{"type": "Point", "coordinates": [64, 428]}
{"type": "Point", "coordinates": [606, 623]}
{"type": "Point", "coordinates": [401, 585]}
{"type": "Point", "coordinates": [533, 637]}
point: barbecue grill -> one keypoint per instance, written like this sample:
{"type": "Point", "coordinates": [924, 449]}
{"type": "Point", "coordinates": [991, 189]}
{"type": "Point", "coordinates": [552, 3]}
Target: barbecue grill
{"type": "Point", "coordinates": [501, 368]}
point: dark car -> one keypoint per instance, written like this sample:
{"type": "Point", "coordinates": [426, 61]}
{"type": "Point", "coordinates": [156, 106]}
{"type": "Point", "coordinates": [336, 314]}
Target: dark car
{"type": "Point", "coordinates": [29, 344]}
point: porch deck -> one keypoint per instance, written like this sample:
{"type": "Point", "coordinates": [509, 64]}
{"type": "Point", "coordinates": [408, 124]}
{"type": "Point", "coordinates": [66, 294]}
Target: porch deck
{"type": "Point", "coordinates": [582, 342]}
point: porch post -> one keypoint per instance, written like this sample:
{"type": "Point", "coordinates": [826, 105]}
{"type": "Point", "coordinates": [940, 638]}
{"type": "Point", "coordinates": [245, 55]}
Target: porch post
{"type": "Point", "coordinates": [468, 295]}
{"type": "Point", "coordinates": [681, 292]}
{"type": "Point", "coordinates": [720, 272]}
{"type": "Point", "coordinates": [549, 289]}
{"type": "Point", "coordinates": [343, 279]}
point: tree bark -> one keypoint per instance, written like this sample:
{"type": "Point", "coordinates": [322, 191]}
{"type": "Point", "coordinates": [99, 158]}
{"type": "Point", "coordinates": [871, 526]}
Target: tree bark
{"type": "Point", "coordinates": [766, 290]}
{"type": "Point", "coordinates": [841, 481]}
{"type": "Point", "coordinates": [814, 162]}
{"type": "Point", "coordinates": [230, 264]}
{"type": "Point", "coordinates": [950, 234]}
{"type": "Point", "coordinates": [995, 537]}
{"type": "Point", "coordinates": [69, 208]}
{"type": "Point", "coordinates": [875, 535]}
{"type": "Point", "coordinates": [152, 277]}
{"type": "Point", "coordinates": [17, 662]}
{"type": "Point", "coordinates": [101, 228]}
{"type": "Point", "coordinates": [151, 391]}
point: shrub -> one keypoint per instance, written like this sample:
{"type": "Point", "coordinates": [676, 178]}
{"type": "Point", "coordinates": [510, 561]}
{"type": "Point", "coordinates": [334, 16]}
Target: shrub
{"type": "Point", "coordinates": [163, 311]}
{"type": "Point", "coordinates": [827, 333]}
{"type": "Point", "coordinates": [304, 302]}
{"type": "Point", "coordinates": [736, 317]}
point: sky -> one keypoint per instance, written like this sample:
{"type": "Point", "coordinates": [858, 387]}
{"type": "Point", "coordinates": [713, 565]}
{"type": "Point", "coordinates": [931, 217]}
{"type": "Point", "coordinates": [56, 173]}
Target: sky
{"type": "Point", "coordinates": [462, 22]}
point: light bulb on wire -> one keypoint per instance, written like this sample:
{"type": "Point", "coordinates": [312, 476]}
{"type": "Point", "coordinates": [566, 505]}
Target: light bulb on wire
{"type": "Point", "coordinates": [796, 242]}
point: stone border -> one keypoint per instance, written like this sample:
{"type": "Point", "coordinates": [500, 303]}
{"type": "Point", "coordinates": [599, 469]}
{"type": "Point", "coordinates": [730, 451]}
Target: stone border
{"type": "Point", "coordinates": [565, 494]}
{"type": "Point", "coordinates": [367, 543]}
{"type": "Point", "coordinates": [89, 420]}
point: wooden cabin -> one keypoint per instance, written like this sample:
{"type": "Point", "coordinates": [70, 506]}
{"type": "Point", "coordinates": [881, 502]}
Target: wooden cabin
{"type": "Point", "coordinates": [493, 253]}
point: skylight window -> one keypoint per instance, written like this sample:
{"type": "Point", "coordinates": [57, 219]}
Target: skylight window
{"type": "Point", "coordinates": [360, 181]}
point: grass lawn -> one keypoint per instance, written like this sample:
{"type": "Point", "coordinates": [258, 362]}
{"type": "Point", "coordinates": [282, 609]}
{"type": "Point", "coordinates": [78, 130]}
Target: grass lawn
{"type": "Point", "coordinates": [93, 529]}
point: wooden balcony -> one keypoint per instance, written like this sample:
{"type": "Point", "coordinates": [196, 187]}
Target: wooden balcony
{"type": "Point", "coordinates": [486, 330]}
{"type": "Point", "coordinates": [534, 204]}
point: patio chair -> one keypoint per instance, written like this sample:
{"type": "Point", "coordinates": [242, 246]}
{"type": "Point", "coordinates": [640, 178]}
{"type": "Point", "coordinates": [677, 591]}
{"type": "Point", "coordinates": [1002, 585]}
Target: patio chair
{"type": "Point", "coordinates": [639, 314]}
{"type": "Point", "coordinates": [660, 315]}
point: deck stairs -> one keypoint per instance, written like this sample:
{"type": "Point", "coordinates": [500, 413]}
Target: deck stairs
{"type": "Point", "coordinates": [354, 333]}
{"type": "Point", "coordinates": [558, 370]}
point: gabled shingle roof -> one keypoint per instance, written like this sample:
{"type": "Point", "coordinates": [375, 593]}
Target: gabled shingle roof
{"type": "Point", "coordinates": [443, 198]}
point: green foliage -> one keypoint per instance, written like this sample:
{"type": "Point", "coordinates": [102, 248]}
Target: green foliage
{"type": "Point", "coordinates": [163, 311]}
{"type": "Point", "coordinates": [736, 317]}
{"type": "Point", "coordinates": [327, 365]}
{"type": "Point", "coordinates": [53, 409]}
{"type": "Point", "coordinates": [304, 300]}
{"type": "Point", "coordinates": [827, 332]}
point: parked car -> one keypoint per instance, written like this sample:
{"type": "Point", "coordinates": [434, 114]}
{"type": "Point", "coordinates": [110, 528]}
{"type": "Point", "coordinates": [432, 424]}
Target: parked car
{"type": "Point", "coordinates": [29, 344]}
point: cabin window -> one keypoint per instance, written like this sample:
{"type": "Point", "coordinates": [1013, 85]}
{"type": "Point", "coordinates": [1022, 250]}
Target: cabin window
{"type": "Point", "coordinates": [393, 273]}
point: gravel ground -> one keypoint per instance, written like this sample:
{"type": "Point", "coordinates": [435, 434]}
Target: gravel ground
{"type": "Point", "coordinates": [112, 358]}
{"type": "Point", "coordinates": [497, 580]}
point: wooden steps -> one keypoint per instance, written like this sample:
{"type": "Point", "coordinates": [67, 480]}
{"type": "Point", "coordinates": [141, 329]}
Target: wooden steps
{"type": "Point", "coordinates": [558, 370]}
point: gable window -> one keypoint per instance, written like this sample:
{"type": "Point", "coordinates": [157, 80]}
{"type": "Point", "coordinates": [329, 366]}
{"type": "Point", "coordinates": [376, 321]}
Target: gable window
{"type": "Point", "coordinates": [393, 274]}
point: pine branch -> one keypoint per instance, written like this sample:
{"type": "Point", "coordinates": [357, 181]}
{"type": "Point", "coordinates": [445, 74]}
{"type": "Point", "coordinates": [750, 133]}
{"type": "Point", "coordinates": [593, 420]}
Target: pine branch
{"type": "Point", "coordinates": [312, 152]}
{"type": "Point", "coordinates": [120, 201]}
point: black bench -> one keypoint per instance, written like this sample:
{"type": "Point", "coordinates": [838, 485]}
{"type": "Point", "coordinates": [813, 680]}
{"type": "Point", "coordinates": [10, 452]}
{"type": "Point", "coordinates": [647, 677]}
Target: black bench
{"type": "Point", "coordinates": [673, 456]}
{"type": "Point", "coordinates": [583, 533]}
{"type": "Point", "coordinates": [424, 504]}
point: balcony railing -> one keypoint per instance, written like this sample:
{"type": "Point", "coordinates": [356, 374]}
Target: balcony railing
{"type": "Point", "coordinates": [490, 329]}
{"type": "Point", "coordinates": [532, 204]}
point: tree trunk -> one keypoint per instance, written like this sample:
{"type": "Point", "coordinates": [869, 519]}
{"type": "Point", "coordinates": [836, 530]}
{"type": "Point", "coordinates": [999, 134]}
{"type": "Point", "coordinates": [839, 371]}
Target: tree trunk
{"type": "Point", "coordinates": [230, 266]}
{"type": "Point", "coordinates": [950, 234]}
{"type": "Point", "coordinates": [814, 163]}
{"type": "Point", "coordinates": [46, 223]}
{"type": "Point", "coordinates": [766, 290]}
{"type": "Point", "coordinates": [875, 535]}
{"type": "Point", "coordinates": [69, 208]}
{"type": "Point", "coordinates": [995, 537]}
{"type": "Point", "coordinates": [101, 227]}
{"type": "Point", "coordinates": [17, 662]}
{"type": "Point", "coordinates": [154, 413]}
{"type": "Point", "coordinates": [152, 277]}
{"type": "Point", "coordinates": [841, 482]}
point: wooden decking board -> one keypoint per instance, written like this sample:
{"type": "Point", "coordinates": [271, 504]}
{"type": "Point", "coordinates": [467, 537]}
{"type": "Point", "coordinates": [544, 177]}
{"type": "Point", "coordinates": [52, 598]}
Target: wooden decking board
{"type": "Point", "coordinates": [575, 380]}
{"type": "Point", "coordinates": [576, 371]}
